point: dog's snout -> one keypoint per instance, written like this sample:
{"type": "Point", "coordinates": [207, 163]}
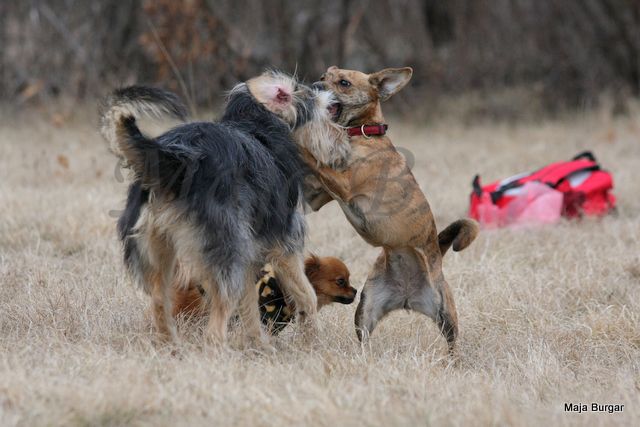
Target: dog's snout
{"type": "Point", "coordinates": [318, 85]}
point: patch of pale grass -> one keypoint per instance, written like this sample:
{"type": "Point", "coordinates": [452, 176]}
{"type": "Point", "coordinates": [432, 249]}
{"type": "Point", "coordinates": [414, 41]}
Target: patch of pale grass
{"type": "Point", "coordinates": [547, 316]}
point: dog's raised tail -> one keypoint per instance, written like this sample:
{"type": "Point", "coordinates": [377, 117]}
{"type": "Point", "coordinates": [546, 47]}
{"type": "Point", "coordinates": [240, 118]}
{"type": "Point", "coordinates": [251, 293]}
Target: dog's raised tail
{"type": "Point", "coordinates": [134, 102]}
{"type": "Point", "coordinates": [458, 234]}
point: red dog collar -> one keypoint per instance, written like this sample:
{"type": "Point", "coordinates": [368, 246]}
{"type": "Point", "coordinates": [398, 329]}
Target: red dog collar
{"type": "Point", "coordinates": [367, 130]}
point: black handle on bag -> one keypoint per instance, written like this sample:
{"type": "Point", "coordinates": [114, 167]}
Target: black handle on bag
{"type": "Point", "coordinates": [585, 155]}
{"type": "Point", "coordinates": [476, 185]}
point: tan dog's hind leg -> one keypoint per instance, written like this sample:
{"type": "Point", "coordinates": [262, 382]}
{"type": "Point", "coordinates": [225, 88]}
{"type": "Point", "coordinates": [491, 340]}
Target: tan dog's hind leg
{"type": "Point", "coordinates": [249, 312]}
{"type": "Point", "coordinates": [378, 297]}
{"type": "Point", "coordinates": [448, 316]}
{"type": "Point", "coordinates": [400, 279]}
{"type": "Point", "coordinates": [161, 280]}
{"type": "Point", "coordinates": [375, 303]}
{"type": "Point", "coordinates": [159, 307]}
{"type": "Point", "coordinates": [220, 312]}
{"type": "Point", "coordinates": [290, 270]}
{"type": "Point", "coordinates": [440, 307]}
{"type": "Point", "coordinates": [162, 311]}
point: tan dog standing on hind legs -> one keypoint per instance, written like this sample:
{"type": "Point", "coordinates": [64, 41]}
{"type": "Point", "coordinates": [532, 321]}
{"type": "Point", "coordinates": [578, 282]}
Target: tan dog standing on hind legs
{"type": "Point", "coordinates": [382, 200]}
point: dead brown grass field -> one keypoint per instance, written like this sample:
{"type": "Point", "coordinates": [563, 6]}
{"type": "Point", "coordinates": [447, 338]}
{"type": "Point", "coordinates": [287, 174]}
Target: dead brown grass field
{"type": "Point", "coordinates": [547, 316]}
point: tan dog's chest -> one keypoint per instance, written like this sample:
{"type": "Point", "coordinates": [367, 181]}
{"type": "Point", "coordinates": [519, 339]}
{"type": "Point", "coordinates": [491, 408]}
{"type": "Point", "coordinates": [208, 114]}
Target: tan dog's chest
{"type": "Point", "coordinates": [379, 195]}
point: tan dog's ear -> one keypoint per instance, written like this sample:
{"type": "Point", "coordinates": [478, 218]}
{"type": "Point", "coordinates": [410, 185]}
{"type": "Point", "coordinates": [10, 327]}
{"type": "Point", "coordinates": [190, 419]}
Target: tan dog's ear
{"type": "Point", "coordinates": [390, 80]}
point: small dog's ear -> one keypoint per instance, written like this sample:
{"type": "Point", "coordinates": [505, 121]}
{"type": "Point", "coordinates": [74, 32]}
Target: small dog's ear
{"type": "Point", "coordinates": [390, 80]}
{"type": "Point", "coordinates": [311, 264]}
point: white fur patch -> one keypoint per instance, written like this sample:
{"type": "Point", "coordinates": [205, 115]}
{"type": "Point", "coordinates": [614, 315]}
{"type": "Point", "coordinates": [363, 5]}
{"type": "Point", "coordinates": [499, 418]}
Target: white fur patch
{"type": "Point", "coordinates": [266, 88]}
{"type": "Point", "coordinates": [112, 118]}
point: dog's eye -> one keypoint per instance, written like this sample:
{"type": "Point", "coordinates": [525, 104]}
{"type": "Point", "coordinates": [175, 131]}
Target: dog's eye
{"type": "Point", "coordinates": [344, 83]}
{"type": "Point", "coordinates": [341, 282]}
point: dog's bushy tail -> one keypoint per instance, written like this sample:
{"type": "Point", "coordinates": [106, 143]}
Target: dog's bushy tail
{"type": "Point", "coordinates": [458, 234]}
{"type": "Point", "coordinates": [134, 102]}
{"type": "Point", "coordinates": [161, 166]}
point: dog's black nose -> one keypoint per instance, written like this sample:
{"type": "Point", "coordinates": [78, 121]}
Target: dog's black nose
{"type": "Point", "coordinates": [318, 85]}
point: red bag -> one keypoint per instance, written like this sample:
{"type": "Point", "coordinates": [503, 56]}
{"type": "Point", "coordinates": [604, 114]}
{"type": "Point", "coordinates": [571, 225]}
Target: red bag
{"type": "Point", "coordinates": [585, 187]}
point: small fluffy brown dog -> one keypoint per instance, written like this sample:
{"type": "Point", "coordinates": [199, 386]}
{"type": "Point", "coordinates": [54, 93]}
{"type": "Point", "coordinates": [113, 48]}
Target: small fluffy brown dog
{"type": "Point", "coordinates": [328, 275]}
{"type": "Point", "coordinates": [374, 186]}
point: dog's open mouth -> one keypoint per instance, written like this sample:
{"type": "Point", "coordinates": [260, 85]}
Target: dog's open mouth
{"type": "Point", "coordinates": [335, 110]}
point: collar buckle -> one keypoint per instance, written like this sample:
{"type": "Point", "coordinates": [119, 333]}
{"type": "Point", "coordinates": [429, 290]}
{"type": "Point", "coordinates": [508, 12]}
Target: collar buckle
{"type": "Point", "coordinates": [368, 131]}
{"type": "Point", "coordinates": [364, 134]}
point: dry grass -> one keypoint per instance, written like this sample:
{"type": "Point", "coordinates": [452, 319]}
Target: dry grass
{"type": "Point", "coordinates": [547, 316]}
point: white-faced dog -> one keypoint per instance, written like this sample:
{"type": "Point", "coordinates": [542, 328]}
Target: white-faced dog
{"type": "Point", "coordinates": [212, 202]}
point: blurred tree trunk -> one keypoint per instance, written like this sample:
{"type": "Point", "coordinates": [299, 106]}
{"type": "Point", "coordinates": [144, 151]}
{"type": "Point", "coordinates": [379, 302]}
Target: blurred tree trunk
{"type": "Point", "coordinates": [3, 44]}
{"type": "Point", "coordinates": [343, 31]}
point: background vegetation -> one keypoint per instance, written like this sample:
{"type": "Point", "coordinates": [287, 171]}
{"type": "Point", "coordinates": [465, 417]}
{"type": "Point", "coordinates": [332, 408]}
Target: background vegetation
{"type": "Point", "coordinates": [560, 53]}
